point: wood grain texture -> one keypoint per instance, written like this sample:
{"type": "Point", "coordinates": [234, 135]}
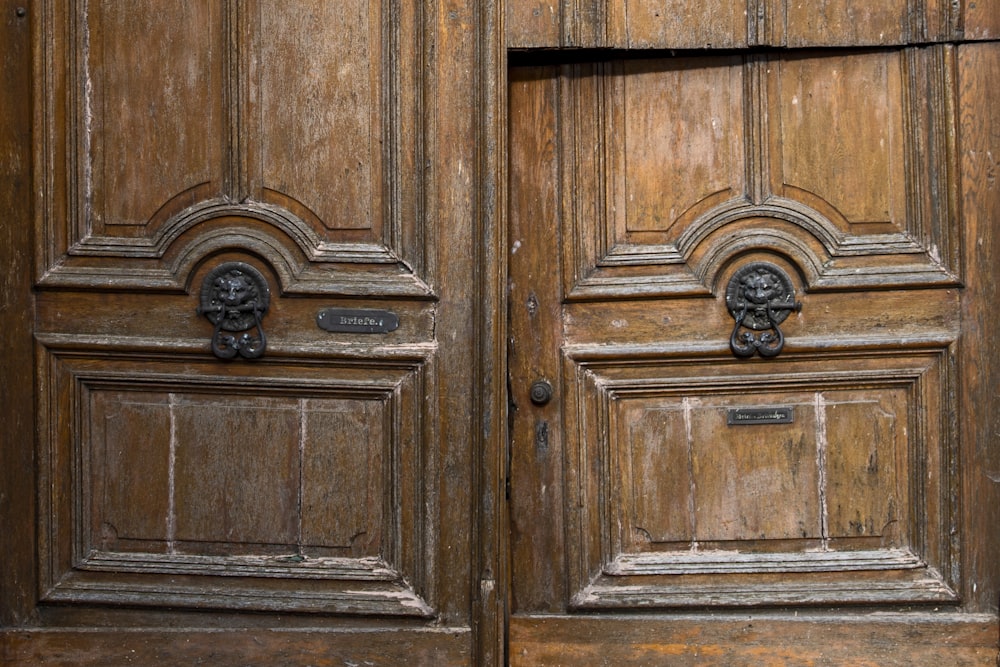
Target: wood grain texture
{"type": "Point", "coordinates": [490, 541]}
{"type": "Point", "coordinates": [979, 136]}
{"type": "Point", "coordinates": [981, 20]}
{"type": "Point", "coordinates": [17, 395]}
{"type": "Point", "coordinates": [534, 260]}
{"type": "Point", "coordinates": [686, 24]}
{"type": "Point", "coordinates": [673, 166]}
{"type": "Point", "coordinates": [321, 109]}
{"type": "Point", "coordinates": [855, 503]}
{"type": "Point", "coordinates": [147, 151]}
{"type": "Point", "coordinates": [196, 646]}
{"type": "Point", "coordinates": [752, 640]}
{"type": "Point", "coordinates": [309, 119]}
{"type": "Point", "coordinates": [765, 508]}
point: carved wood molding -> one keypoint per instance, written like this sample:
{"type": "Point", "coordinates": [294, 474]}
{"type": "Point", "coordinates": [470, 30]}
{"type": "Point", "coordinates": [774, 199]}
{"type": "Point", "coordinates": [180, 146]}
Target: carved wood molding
{"type": "Point", "coordinates": [323, 146]}
{"type": "Point", "coordinates": [361, 418]}
{"type": "Point", "coordinates": [635, 542]}
{"type": "Point", "coordinates": [665, 214]}
{"type": "Point", "coordinates": [700, 24]}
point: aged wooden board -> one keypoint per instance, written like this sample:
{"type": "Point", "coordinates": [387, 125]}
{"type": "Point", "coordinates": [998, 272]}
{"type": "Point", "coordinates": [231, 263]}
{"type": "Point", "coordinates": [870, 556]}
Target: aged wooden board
{"type": "Point", "coordinates": [750, 640]}
{"type": "Point", "coordinates": [715, 24]}
{"type": "Point", "coordinates": [979, 67]}
{"type": "Point", "coordinates": [192, 646]}
{"type": "Point", "coordinates": [17, 395]}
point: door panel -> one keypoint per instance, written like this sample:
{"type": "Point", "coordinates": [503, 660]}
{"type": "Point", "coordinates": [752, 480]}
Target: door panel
{"type": "Point", "coordinates": [313, 467]}
{"type": "Point", "coordinates": [670, 475]}
{"type": "Point", "coordinates": [253, 140]}
{"type": "Point", "coordinates": [192, 487]}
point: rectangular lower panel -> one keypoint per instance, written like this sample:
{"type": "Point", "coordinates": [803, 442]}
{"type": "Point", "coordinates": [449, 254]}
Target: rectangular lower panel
{"type": "Point", "coordinates": [196, 473]}
{"type": "Point", "coordinates": [183, 484]}
{"type": "Point", "coordinates": [834, 489]}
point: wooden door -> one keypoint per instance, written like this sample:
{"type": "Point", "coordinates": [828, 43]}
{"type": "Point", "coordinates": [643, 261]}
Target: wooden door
{"type": "Point", "coordinates": [244, 365]}
{"type": "Point", "coordinates": [692, 487]}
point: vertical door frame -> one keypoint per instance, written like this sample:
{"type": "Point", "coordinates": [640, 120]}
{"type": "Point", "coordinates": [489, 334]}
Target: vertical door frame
{"type": "Point", "coordinates": [490, 524]}
{"type": "Point", "coordinates": [17, 426]}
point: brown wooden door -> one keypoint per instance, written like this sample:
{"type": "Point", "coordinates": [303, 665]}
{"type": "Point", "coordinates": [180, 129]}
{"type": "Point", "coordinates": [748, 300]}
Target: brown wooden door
{"type": "Point", "coordinates": [242, 370]}
{"type": "Point", "coordinates": [714, 481]}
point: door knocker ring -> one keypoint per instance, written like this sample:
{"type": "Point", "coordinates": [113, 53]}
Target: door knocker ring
{"type": "Point", "coordinates": [235, 297]}
{"type": "Point", "coordinates": [759, 297]}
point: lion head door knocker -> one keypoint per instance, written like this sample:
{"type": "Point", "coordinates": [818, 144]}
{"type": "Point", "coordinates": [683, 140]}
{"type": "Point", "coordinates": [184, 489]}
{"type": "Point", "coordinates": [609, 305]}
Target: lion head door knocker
{"type": "Point", "coordinates": [759, 297]}
{"type": "Point", "coordinates": [234, 297]}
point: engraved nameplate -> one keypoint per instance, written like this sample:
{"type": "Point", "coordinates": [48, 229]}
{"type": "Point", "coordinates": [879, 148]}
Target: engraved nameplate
{"type": "Point", "coordinates": [747, 416]}
{"type": "Point", "coordinates": [357, 320]}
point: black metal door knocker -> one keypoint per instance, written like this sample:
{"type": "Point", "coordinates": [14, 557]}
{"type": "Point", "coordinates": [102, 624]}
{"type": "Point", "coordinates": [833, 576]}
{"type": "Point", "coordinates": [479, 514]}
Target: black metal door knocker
{"type": "Point", "coordinates": [234, 297]}
{"type": "Point", "coordinates": [759, 297]}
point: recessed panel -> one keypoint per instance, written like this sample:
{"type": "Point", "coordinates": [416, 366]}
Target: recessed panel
{"type": "Point", "coordinates": [683, 136]}
{"type": "Point", "coordinates": [698, 476]}
{"type": "Point", "coordinates": [319, 75]}
{"type": "Point", "coordinates": [290, 130]}
{"type": "Point", "coordinates": [658, 490]}
{"type": "Point", "coordinates": [343, 476]}
{"type": "Point", "coordinates": [150, 130]}
{"type": "Point", "coordinates": [306, 477]}
{"type": "Point", "coordinates": [131, 457]}
{"type": "Point", "coordinates": [193, 474]}
{"type": "Point", "coordinates": [754, 482]}
{"type": "Point", "coordinates": [749, 473]}
{"type": "Point", "coordinates": [838, 137]}
{"type": "Point", "coordinates": [235, 464]}
{"type": "Point", "coordinates": [865, 462]}
{"type": "Point", "coordinates": [671, 165]}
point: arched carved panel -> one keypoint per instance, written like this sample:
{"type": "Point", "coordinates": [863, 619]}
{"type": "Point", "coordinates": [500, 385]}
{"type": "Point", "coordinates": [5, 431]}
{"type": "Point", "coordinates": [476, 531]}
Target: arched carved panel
{"type": "Point", "coordinates": [312, 112]}
{"type": "Point", "coordinates": [677, 155]}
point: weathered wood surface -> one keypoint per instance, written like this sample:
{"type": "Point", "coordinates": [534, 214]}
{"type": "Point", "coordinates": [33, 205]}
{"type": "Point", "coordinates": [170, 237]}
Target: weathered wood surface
{"type": "Point", "coordinates": [356, 157]}
{"type": "Point", "coordinates": [17, 395]}
{"type": "Point", "coordinates": [979, 146]}
{"type": "Point", "coordinates": [752, 640]}
{"type": "Point", "coordinates": [339, 152]}
{"type": "Point", "coordinates": [721, 24]}
{"type": "Point", "coordinates": [197, 646]}
{"type": "Point", "coordinates": [638, 188]}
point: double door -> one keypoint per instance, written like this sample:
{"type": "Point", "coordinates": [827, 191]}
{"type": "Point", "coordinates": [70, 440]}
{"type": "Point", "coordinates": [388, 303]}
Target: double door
{"type": "Point", "coordinates": [340, 333]}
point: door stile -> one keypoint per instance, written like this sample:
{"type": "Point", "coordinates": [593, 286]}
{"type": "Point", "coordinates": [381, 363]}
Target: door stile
{"type": "Point", "coordinates": [17, 427]}
{"type": "Point", "coordinates": [491, 598]}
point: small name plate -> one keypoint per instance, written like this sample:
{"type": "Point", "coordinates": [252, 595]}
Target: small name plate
{"type": "Point", "coordinates": [747, 416]}
{"type": "Point", "coordinates": [357, 320]}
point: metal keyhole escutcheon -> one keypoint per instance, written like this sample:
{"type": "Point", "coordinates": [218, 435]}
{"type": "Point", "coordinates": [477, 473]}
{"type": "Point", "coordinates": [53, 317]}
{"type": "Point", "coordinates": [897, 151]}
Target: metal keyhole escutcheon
{"type": "Point", "coordinates": [759, 297]}
{"type": "Point", "coordinates": [235, 297]}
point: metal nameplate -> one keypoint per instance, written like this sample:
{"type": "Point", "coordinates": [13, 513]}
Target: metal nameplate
{"type": "Point", "coordinates": [357, 320]}
{"type": "Point", "coordinates": [749, 416]}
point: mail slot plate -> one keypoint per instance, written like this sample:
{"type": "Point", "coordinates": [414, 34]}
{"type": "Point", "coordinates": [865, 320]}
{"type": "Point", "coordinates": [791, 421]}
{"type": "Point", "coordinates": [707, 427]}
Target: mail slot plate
{"type": "Point", "coordinates": [757, 415]}
{"type": "Point", "coordinates": [357, 320]}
